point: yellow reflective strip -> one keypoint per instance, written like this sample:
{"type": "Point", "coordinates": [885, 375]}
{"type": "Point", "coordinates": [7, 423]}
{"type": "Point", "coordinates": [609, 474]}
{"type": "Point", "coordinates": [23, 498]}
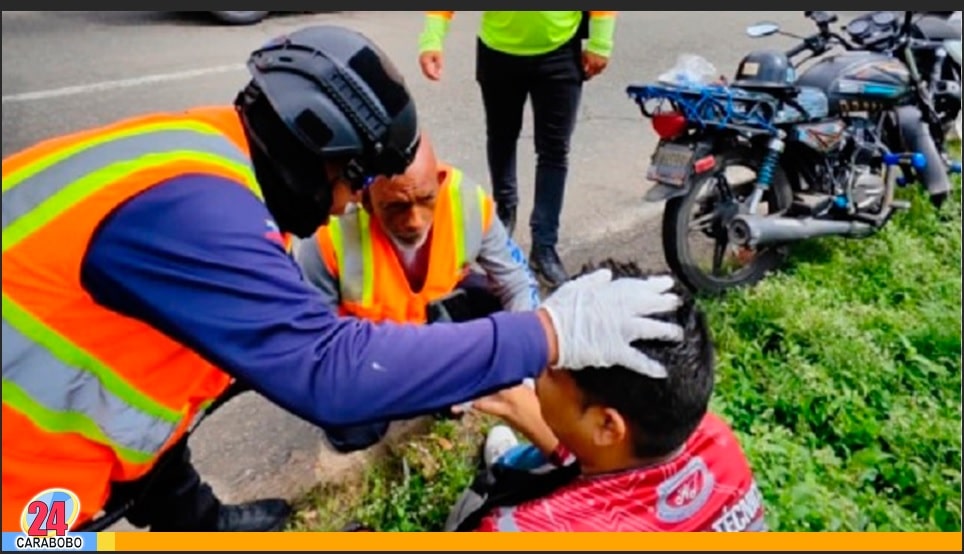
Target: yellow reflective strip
{"type": "Point", "coordinates": [16, 177]}
{"type": "Point", "coordinates": [458, 220]}
{"type": "Point", "coordinates": [368, 258]}
{"type": "Point", "coordinates": [93, 182]}
{"type": "Point", "coordinates": [79, 359]}
{"type": "Point", "coordinates": [66, 422]}
{"type": "Point", "coordinates": [334, 231]}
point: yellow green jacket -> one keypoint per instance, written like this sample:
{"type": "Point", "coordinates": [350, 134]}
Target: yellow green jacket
{"type": "Point", "coordinates": [525, 33]}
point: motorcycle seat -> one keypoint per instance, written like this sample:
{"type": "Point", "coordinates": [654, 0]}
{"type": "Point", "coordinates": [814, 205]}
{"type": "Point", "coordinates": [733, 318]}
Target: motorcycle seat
{"type": "Point", "coordinates": [779, 90]}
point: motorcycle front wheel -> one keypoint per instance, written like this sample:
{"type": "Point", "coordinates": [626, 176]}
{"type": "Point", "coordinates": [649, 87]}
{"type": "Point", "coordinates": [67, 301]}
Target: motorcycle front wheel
{"type": "Point", "coordinates": [713, 198]}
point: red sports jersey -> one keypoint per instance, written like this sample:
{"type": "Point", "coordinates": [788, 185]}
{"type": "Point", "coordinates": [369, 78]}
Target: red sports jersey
{"type": "Point", "coordinates": [708, 487]}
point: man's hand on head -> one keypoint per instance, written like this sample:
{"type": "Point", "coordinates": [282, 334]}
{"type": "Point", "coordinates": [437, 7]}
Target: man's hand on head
{"type": "Point", "coordinates": [594, 319]}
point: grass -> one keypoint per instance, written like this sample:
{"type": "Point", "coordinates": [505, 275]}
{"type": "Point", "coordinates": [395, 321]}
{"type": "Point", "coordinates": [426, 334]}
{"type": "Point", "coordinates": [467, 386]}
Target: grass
{"type": "Point", "coordinates": [841, 374]}
{"type": "Point", "coordinates": [412, 489]}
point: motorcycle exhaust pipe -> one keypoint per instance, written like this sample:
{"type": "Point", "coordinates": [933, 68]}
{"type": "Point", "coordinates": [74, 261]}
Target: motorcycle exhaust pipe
{"type": "Point", "coordinates": [917, 138]}
{"type": "Point", "coordinates": [759, 230]}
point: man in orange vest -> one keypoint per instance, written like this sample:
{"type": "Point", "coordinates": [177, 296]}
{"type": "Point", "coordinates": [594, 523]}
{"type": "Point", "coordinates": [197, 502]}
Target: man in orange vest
{"type": "Point", "coordinates": [145, 271]}
{"type": "Point", "coordinates": [404, 255]}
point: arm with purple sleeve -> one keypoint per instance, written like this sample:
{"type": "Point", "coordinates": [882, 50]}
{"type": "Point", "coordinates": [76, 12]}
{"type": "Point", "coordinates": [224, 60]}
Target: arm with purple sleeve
{"type": "Point", "coordinates": [197, 258]}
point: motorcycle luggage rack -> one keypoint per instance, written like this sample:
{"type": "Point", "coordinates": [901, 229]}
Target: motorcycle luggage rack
{"type": "Point", "coordinates": [711, 105]}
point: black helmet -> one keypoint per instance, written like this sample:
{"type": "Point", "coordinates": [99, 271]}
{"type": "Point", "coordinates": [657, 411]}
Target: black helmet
{"type": "Point", "coordinates": [765, 69]}
{"type": "Point", "coordinates": [320, 94]}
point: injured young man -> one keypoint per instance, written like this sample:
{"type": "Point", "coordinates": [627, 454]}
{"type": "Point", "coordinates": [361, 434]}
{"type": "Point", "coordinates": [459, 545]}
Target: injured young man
{"type": "Point", "coordinates": [609, 449]}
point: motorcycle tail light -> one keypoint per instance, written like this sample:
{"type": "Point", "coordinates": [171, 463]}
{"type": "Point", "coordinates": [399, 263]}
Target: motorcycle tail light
{"type": "Point", "coordinates": [669, 125]}
{"type": "Point", "coordinates": [705, 163]}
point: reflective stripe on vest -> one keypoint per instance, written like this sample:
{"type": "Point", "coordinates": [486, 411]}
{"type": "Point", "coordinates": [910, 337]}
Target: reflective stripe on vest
{"type": "Point", "coordinates": [356, 269]}
{"type": "Point", "coordinates": [87, 397]}
{"type": "Point", "coordinates": [356, 264]}
{"type": "Point", "coordinates": [40, 191]}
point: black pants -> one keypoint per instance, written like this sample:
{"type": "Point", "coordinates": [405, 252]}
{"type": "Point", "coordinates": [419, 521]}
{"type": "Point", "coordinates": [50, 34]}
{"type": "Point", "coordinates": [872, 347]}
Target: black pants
{"type": "Point", "coordinates": [172, 497]}
{"type": "Point", "coordinates": [554, 82]}
{"type": "Point", "coordinates": [476, 302]}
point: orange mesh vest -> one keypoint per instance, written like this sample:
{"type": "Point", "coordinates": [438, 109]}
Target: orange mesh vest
{"type": "Point", "coordinates": [91, 396]}
{"type": "Point", "coordinates": [372, 282]}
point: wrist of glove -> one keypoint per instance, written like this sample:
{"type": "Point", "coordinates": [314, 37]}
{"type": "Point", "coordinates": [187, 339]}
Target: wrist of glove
{"type": "Point", "coordinates": [597, 318]}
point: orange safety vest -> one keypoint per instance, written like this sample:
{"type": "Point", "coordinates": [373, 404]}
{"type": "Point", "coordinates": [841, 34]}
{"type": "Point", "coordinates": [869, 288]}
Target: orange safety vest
{"type": "Point", "coordinates": [372, 282]}
{"type": "Point", "coordinates": [91, 396]}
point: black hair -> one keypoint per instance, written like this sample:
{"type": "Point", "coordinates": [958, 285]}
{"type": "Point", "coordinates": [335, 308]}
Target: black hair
{"type": "Point", "coordinates": [661, 413]}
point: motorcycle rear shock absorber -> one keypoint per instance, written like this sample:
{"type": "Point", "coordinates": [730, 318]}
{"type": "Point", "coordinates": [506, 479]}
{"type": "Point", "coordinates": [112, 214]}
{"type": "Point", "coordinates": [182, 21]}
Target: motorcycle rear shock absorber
{"type": "Point", "coordinates": [765, 174]}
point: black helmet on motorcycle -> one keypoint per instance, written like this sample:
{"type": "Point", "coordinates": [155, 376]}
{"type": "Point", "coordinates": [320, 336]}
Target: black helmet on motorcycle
{"type": "Point", "coordinates": [319, 97]}
{"type": "Point", "coordinates": [765, 69]}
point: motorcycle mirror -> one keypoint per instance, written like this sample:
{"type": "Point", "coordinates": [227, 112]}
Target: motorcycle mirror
{"type": "Point", "coordinates": [762, 29]}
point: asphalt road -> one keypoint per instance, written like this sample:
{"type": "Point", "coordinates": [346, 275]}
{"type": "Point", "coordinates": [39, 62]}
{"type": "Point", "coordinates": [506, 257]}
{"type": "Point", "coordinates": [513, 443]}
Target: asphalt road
{"type": "Point", "coordinates": [64, 71]}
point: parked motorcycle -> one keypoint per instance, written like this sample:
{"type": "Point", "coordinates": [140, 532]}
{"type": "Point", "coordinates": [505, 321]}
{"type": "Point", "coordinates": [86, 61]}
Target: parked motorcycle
{"type": "Point", "coordinates": [934, 49]}
{"type": "Point", "coordinates": [780, 155]}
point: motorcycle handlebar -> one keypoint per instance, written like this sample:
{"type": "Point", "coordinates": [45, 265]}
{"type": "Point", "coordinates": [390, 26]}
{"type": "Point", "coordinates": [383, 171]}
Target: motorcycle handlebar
{"type": "Point", "coordinates": [818, 44]}
{"type": "Point", "coordinates": [908, 22]}
{"type": "Point", "coordinates": [798, 49]}
{"type": "Point", "coordinates": [821, 41]}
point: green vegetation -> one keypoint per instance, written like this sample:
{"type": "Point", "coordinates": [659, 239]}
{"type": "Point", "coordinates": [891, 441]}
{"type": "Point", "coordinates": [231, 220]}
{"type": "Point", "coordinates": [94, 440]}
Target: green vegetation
{"type": "Point", "coordinates": [841, 375]}
{"type": "Point", "coordinates": [412, 489]}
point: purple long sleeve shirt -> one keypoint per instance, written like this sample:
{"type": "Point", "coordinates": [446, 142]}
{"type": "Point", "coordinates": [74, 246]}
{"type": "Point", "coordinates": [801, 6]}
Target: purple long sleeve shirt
{"type": "Point", "coordinates": [197, 257]}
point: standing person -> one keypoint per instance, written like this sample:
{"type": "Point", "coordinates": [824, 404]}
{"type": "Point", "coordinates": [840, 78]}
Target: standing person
{"type": "Point", "coordinates": [145, 272]}
{"type": "Point", "coordinates": [537, 55]}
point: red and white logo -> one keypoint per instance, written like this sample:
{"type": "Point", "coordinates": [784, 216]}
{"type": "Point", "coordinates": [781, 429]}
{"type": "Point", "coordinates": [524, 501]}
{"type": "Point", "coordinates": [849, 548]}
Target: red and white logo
{"type": "Point", "coordinates": [684, 493]}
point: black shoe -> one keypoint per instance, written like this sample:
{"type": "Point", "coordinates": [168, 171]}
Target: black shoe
{"type": "Point", "coordinates": [506, 215]}
{"type": "Point", "coordinates": [545, 263]}
{"type": "Point", "coordinates": [261, 515]}
{"type": "Point", "coordinates": [352, 438]}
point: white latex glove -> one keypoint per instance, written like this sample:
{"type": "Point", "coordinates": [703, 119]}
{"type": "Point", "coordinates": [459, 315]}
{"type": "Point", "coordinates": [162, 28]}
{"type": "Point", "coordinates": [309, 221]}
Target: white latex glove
{"type": "Point", "coordinates": [596, 319]}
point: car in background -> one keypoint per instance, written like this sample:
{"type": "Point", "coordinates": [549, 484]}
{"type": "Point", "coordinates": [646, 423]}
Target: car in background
{"type": "Point", "coordinates": [240, 18]}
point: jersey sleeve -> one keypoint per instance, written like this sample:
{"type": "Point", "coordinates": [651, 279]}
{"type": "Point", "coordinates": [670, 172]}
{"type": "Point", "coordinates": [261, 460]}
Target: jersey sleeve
{"type": "Point", "coordinates": [508, 270]}
{"type": "Point", "coordinates": [602, 30]}
{"type": "Point", "coordinates": [434, 31]}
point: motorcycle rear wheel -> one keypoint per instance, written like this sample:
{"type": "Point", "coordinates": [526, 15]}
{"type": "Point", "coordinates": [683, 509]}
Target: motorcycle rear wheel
{"type": "Point", "coordinates": [678, 214]}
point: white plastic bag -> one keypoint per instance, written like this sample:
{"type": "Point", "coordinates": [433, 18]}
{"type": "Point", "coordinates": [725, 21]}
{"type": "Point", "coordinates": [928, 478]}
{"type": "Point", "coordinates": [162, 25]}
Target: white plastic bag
{"type": "Point", "coordinates": [690, 69]}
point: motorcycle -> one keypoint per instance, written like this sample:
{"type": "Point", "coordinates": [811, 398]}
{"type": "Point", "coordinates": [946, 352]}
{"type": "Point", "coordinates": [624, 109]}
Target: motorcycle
{"type": "Point", "coordinates": [934, 49]}
{"type": "Point", "coordinates": [818, 151]}
{"type": "Point", "coordinates": [955, 19]}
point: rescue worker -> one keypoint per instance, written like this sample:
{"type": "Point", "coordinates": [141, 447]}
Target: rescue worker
{"type": "Point", "coordinates": [144, 272]}
{"type": "Point", "coordinates": [537, 55]}
{"type": "Point", "coordinates": [406, 253]}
